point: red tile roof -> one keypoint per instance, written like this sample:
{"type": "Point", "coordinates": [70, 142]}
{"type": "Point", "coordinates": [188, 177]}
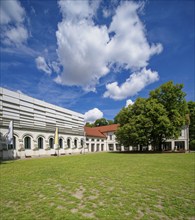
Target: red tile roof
{"type": "Point", "coordinates": [99, 131]}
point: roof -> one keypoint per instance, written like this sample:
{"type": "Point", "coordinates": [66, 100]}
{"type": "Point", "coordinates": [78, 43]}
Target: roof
{"type": "Point", "coordinates": [99, 131]}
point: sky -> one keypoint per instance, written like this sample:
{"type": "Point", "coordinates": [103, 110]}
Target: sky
{"type": "Point", "coordinates": [96, 57]}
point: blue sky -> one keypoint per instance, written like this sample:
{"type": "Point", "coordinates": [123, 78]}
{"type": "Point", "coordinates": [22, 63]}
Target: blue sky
{"type": "Point", "coordinates": [93, 57]}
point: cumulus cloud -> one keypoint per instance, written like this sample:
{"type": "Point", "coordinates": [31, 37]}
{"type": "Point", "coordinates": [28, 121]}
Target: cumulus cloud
{"type": "Point", "coordinates": [135, 83]}
{"type": "Point", "coordinates": [129, 102]}
{"type": "Point", "coordinates": [88, 51]}
{"type": "Point", "coordinates": [42, 65]}
{"type": "Point", "coordinates": [93, 115]}
{"type": "Point", "coordinates": [129, 47]}
{"type": "Point", "coordinates": [12, 17]}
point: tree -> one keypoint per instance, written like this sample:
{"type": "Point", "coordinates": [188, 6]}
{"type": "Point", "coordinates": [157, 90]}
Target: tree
{"type": "Point", "coordinates": [151, 121]}
{"type": "Point", "coordinates": [100, 122]}
{"type": "Point", "coordinates": [173, 99]}
{"type": "Point", "coordinates": [88, 124]}
{"type": "Point", "coordinates": [143, 123]}
{"type": "Point", "coordinates": [191, 107]}
{"type": "Point", "coordinates": [110, 122]}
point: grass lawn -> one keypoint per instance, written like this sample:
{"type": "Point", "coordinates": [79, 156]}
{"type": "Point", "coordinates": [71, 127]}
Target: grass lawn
{"type": "Point", "coordinates": [99, 186]}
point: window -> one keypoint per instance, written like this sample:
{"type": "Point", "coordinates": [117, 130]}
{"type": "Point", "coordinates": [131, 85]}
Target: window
{"type": "Point", "coordinates": [87, 139]}
{"type": "Point", "coordinates": [110, 137]}
{"type": "Point", "coordinates": [68, 142]}
{"type": "Point", "coordinates": [111, 147]}
{"type": "Point", "coordinates": [180, 145]}
{"type": "Point", "coordinates": [60, 143]}
{"type": "Point", "coordinates": [82, 143]}
{"type": "Point", "coordinates": [92, 147]}
{"type": "Point", "coordinates": [102, 147]}
{"type": "Point", "coordinates": [98, 147]}
{"type": "Point", "coordinates": [40, 143]}
{"type": "Point", "coordinates": [75, 143]}
{"type": "Point", "coordinates": [51, 143]}
{"type": "Point", "coordinates": [118, 147]}
{"type": "Point", "coordinates": [27, 143]}
{"type": "Point", "coordinates": [166, 146]}
{"type": "Point", "coordinates": [92, 139]}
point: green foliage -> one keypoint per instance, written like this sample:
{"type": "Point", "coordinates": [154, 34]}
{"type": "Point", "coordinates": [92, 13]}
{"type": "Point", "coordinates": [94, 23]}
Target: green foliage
{"type": "Point", "coordinates": [192, 145]}
{"type": "Point", "coordinates": [89, 124]}
{"type": "Point", "coordinates": [191, 107]}
{"type": "Point", "coordinates": [100, 122]}
{"type": "Point", "coordinates": [110, 122]}
{"type": "Point", "coordinates": [54, 188]}
{"type": "Point", "coordinates": [153, 120]}
{"type": "Point", "coordinates": [173, 99]}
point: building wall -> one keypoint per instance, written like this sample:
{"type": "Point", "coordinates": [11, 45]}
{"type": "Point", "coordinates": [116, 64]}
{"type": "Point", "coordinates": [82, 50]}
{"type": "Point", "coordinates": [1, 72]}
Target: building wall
{"type": "Point", "coordinates": [34, 118]}
{"type": "Point", "coordinates": [35, 151]}
{"type": "Point", "coordinates": [95, 144]}
{"type": "Point", "coordinates": [29, 113]}
{"type": "Point", "coordinates": [110, 143]}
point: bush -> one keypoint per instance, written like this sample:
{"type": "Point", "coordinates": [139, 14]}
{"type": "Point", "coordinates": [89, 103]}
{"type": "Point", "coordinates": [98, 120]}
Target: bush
{"type": "Point", "coordinates": [192, 145]}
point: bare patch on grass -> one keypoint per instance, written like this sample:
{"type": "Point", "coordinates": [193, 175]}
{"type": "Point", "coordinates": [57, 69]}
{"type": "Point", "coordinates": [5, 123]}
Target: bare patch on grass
{"type": "Point", "coordinates": [79, 193]}
{"type": "Point", "coordinates": [88, 215]}
{"type": "Point", "coordinates": [74, 210]}
{"type": "Point", "coordinates": [60, 207]}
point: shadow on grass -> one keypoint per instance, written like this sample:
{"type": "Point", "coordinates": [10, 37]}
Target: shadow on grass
{"type": "Point", "coordinates": [147, 152]}
{"type": "Point", "coordinates": [6, 161]}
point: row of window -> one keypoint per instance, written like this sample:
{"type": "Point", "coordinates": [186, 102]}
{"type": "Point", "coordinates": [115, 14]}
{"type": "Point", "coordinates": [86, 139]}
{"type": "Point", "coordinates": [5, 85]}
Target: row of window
{"type": "Point", "coordinates": [27, 143]}
{"type": "Point", "coordinates": [92, 139]}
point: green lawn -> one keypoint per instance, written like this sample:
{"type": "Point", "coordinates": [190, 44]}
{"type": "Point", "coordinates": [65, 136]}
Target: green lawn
{"type": "Point", "coordinates": [99, 186]}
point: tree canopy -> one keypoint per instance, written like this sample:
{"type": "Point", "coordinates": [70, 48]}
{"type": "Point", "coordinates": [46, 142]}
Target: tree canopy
{"type": "Point", "coordinates": [99, 122]}
{"type": "Point", "coordinates": [191, 107]}
{"type": "Point", "coordinates": [155, 119]}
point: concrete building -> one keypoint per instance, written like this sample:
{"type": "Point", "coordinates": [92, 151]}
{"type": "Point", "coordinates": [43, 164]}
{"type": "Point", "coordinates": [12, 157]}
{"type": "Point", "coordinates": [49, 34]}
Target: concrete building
{"type": "Point", "coordinates": [35, 122]}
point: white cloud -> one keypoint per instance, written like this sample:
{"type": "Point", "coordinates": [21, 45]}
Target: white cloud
{"type": "Point", "coordinates": [15, 36]}
{"type": "Point", "coordinates": [129, 102]}
{"type": "Point", "coordinates": [42, 65]}
{"type": "Point", "coordinates": [88, 51]}
{"type": "Point", "coordinates": [129, 47]}
{"type": "Point", "coordinates": [12, 17]}
{"type": "Point", "coordinates": [55, 66]}
{"type": "Point", "coordinates": [11, 11]}
{"type": "Point", "coordinates": [76, 10]}
{"type": "Point", "coordinates": [93, 115]}
{"type": "Point", "coordinates": [135, 83]}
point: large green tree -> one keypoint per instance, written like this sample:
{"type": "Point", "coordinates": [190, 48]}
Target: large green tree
{"type": "Point", "coordinates": [173, 99]}
{"type": "Point", "coordinates": [191, 107]}
{"type": "Point", "coordinates": [144, 123]}
{"type": "Point", "coordinates": [153, 120]}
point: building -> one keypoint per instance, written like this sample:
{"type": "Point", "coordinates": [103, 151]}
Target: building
{"type": "Point", "coordinates": [35, 123]}
{"type": "Point", "coordinates": [103, 139]}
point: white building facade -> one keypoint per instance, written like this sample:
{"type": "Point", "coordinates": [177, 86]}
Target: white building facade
{"type": "Point", "coordinates": [104, 138]}
{"type": "Point", "coordinates": [34, 125]}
